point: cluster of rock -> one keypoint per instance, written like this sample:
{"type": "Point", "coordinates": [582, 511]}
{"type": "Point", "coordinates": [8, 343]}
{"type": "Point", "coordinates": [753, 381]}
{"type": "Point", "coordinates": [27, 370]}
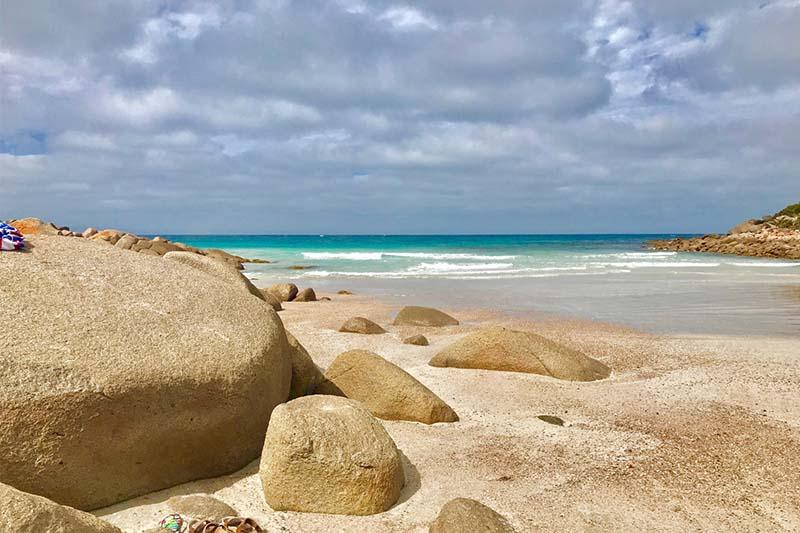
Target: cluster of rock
{"type": "Point", "coordinates": [101, 405]}
{"type": "Point", "coordinates": [773, 236]}
{"type": "Point", "coordinates": [157, 246]}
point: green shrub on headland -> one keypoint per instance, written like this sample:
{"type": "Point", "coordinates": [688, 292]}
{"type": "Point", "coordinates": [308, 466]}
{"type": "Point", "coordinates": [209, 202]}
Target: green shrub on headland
{"type": "Point", "coordinates": [790, 210]}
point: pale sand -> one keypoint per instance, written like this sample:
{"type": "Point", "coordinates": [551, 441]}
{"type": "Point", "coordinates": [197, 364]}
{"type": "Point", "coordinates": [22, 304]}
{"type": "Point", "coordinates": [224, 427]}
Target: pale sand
{"type": "Point", "coordinates": [688, 433]}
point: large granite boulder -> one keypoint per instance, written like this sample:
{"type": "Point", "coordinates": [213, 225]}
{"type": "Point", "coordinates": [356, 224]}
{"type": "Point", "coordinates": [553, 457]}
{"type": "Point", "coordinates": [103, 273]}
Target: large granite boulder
{"type": "Point", "coordinates": [128, 373]}
{"type": "Point", "coordinates": [306, 375]}
{"type": "Point", "coordinates": [498, 348]}
{"type": "Point", "coordinates": [285, 292]}
{"type": "Point", "coordinates": [388, 391]}
{"type": "Point", "coordinates": [463, 514]}
{"type": "Point", "coordinates": [219, 269]}
{"type": "Point", "coordinates": [21, 512]}
{"type": "Point", "coordinates": [413, 315]}
{"type": "Point", "coordinates": [326, 454]}
{"type": "Point", "coordinates": [359, 324]}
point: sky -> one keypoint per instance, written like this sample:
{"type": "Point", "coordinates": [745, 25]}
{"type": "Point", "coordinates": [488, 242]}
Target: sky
{"type": "Point", "coordinates": [449, 116]}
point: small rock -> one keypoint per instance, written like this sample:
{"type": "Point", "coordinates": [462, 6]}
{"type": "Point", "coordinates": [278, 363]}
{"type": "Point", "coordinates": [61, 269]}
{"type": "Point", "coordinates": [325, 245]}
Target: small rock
{"type": "Point", "coordinates": [418, 340]}
{"type": "Point", "coordinates": [324, 299]}
{"type": "Point", "coordinates": [285, 292]}
{"type": "Point", "coordinates": [306, 295]}
{"type": "Point", "coordinates": [423, 316]}
{"type": "Point", "coordinates": [344, 292]}
{"type": "Point", "coordinates": [201, 507]}
{"type": "Point", "coordinates": [361, 325]}
{"type": "Point", "coordinates": [326, 454]}
{"type": "Point", "coordinates": [550, 419]}
{"type": "Point", "coordinates": [126, 241]}
{"type": "Point", "coordinates": [300, 267]}
{"type": "Point", "coordinates": [463, 514]}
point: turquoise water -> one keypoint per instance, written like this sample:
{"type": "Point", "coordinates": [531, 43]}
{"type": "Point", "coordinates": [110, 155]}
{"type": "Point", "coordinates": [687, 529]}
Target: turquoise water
{"type": "Point", "coordinates": [605, 277]}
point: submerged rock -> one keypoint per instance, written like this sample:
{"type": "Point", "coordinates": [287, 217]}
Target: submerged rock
{"type": "Point", "coordinates": [21, 512]}
{"type": "Point", "coordinates": [423, 316]}
{"type": "Point", "coordinates": [326, 454]}
{"type": "Point", "coordinates": [132, 374]}
{"type": "Point", "coordinates": [388, 391]}
{"type": "Point", "coordinates": [463, 514]}
{"type": "Point", "coordinates": [361, 325]}
{"type": "Point", "coordinates": [498, 348]}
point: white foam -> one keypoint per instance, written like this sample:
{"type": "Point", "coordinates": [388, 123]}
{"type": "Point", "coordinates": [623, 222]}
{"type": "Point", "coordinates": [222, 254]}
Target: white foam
{"type": "Point", "coordinates": [667, 264]}
{"type": "Point", "coordinates": [765, 264]}
{"type": "Point", "coordinates": [435, 268]}
{"type": "Point", "coordinates": [378, 256]}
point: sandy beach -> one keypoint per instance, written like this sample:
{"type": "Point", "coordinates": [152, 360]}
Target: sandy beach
{"type": "Point", "coordinates": [688, 433]}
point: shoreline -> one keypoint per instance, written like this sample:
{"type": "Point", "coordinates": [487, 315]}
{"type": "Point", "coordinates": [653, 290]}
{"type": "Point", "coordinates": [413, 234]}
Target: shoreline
{"type": "Point", "coordinates": [686, 433]}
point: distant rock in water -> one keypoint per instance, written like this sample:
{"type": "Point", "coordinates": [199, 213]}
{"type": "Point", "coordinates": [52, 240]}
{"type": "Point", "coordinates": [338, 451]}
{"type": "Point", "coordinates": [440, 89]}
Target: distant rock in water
{"type": "Point", "coordinates": [497, 348]}
{"type": "Point", "coordinates": [776, 236]}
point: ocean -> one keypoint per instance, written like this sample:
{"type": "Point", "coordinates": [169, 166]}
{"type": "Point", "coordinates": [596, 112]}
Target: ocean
{"type": "Point", "coordinates": [611, 278]}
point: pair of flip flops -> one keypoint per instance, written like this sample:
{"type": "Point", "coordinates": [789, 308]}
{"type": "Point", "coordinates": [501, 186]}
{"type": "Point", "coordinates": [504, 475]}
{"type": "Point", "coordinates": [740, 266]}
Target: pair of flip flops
{"type": "Point", "coordinates": [234, 524]}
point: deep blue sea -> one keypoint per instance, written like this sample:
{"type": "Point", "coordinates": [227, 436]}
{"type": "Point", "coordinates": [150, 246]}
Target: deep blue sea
{"type": "Point", "coordinates": [612, 278]}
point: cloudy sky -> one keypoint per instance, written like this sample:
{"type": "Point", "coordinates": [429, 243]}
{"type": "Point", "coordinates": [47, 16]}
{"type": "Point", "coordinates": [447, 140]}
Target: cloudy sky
{"type": "Point", "coordinates": [448, 116]}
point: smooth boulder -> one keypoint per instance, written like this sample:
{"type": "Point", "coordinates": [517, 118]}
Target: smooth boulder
{"type": "Point", "coordinates": [285, 292]}
{"type": "Point", "coordinates": [388, 391]}
{"type": "Point", "coordinates": [306, 375]}
{"type": "Point", "coordinates": [131, 374]}
{"type": "Point", "coordinates": [271, 299]}
{"type": "Point", "coordinates": [498, 348]}
{"type": "Point", "coordinates": [214, 267]}
{"type": "Point", "coordinates": [417, 340]}
{"type": "Point", "coordinates": [361, 325]}
{"type": "Point", "coordinates": [306, 295]}
{"type": "Point", "coordinates": [327, 454]}
{"type": "Point", "coordinates": [200, 506]}
{"type": "Point", "coordinates": [414, 315]}
{"type": "Point", "coordinates": [33, 226]}
{"type": "Point", "coordinates": [463, 514]}
{"type": "Point", "coordinates": [21, 512]}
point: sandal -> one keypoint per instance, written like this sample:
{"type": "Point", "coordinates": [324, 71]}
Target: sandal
{"type": "Point", "coordinates": [242, 525]}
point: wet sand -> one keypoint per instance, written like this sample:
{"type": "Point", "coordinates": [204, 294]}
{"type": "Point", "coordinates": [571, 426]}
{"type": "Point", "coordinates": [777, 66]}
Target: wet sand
{"type": "Point", "coordinates": [689, 432]}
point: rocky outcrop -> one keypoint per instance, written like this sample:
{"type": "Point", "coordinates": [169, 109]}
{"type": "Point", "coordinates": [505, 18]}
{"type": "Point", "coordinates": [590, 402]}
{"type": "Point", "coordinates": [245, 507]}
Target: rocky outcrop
{"type": "Point", "coordinates": [418, 340]}
{"type": "Point", "coordinates": [218, 269]}
{"type": "Point", "coordinates": [306, 375]}
{"type": "Point", "coordinates": [21, 512]}
{"type": "Point", "coordinates": [284, 292]}
{"type": "Point", "coordinates": [463, 514]}
{"type": "Point", "coordinates": [326, 454]}
{"type": "Point", "coordinates": [423, 316]}
{"type": "Point", "coordinates": [498, 348]}
{"type": "Point", "coordinates": [776, 236]}
{"type": "Point", "coordinates": [133, 373]}
{"type": "Point", "coordinates": [306, 295]}
{"type": "Point", "coordinates": [388, 391]}
{"type": "Point", "coordinates": [361, 325]}
{"type": "Point", "coordinates": [34, 226]}
{"type": "Point", "coordinates": [200, 507]}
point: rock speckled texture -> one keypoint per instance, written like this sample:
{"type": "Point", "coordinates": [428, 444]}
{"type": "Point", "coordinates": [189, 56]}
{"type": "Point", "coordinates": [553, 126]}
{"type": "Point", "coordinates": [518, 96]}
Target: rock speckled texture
{"type": "Point", "coordinates": [326, 454]}
{"type": "Point", "coordinates": [133, 373]}
{"type": "Point", "coordinates": [361, 325]}
{"type": "Point", "coordinates": [462, 515]}
{"type": "Point", "coordinates": [388, 391]}
{"type": "Point", "coordinates": [497, 348]}
{"type": "Point", "coordinates": [215, 267]}
{"type": "Point", "coordinates": [413, 315]}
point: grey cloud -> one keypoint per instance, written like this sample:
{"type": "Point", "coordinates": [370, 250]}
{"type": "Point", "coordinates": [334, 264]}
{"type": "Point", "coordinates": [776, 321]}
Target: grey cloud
{"type": "Point", "coordinates": [346, 116]}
